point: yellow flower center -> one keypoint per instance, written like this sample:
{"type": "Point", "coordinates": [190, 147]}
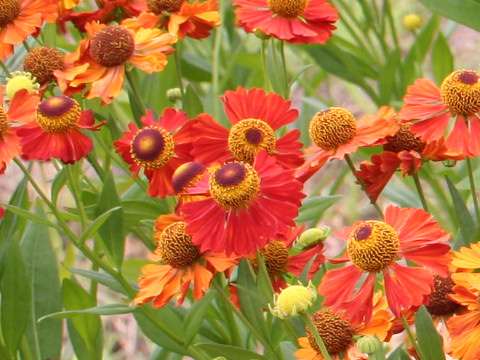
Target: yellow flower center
{"type": "Point", "coordinates": [186, 175]}
{"type": "Point", "coordinates": [152, 147]}
{"type": "Point", "coordinates": [19, 81]}
{"type": "Point", "coordinates": [460, 91]}
{"type": "Point", "coordinates": [372, 245]}
{"type": "Point", "coordinates": [158, 6]}
{"type": "Point", "coordinates": [439, 300]}
{"type": "Point", "coordinates": [42, 61]}
{"type": "Point", "coordinates": [112, 45]}
{"type": "Point", "coordinates": [249, 136]}
{"type": "Point", "coordinates": [275, 254]}
{"type": "Point", "coordinates": [234, 184]}
{"type": "Point", "coordinates": [335, 332]}
{"type": "Point", "coordinates": [333, 127]}
{"type": "Point", "coordinates": [294, 299]}
{"type": "Point", "coordinates": [288, 8]}
{"type": "Point", "coordinates": [9, 10]}
{"type": "Point", "coordinates": [175, 246]}
{"type": "Point", "coordinates": [3, 122]}
{"type": "Point", "coordinates": [57, 114]}
{"type": "Point", "coordinates": [404, 139]}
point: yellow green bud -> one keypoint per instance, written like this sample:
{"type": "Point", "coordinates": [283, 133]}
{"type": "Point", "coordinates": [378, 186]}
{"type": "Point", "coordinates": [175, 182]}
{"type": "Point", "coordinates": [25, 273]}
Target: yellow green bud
{"type": "Point", "coordinates": [19, 80]}
{"type": "Point", "coordinates": [368, 344]}
{"type": "Point", "coordinates": [313, 236]}
{"type": "Point", "coordinates": [412, 21]}
{"type": "Point", "coordinates": [293, 300]}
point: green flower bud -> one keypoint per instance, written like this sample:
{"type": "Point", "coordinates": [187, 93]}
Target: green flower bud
{"type": "Point", "coordinates": [174, 95]}
{"type": "Point", "coordinates": [293, 300]}
{"type": "Point", "coordinates": [312, 237]}
{"type": "Point", "coordinates": [368, 344]}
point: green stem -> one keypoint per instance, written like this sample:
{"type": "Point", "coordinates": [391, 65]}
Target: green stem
{"type": "Point", "coordinates": [411, 336]}
{"type": "Point", "coordinates": [316, 335]}
{"type": "Point", "coordinates": [232, 325]}
{"type": "Point", "coordinates": [136, 94]}
{"type": "Point", "coordinates": [286, 90]}
{"type": "Point", "coordinates": [268, 86]}
{"type": "Point", "coordinates": [362, 184]}
{"type": "Point", "coordinates": [418, 185]}
{"type": "Point", "coordinates": [177, 55]}
{"type": "Point", "coordinates": [74, 188]}
{"type": "Point", "coordinates": [472, 188]}
{"type": "Point", "coordinates": [5, 68]}
{"type": "Point", "coordinates": [391, 21]}
{"type": "Point", "coordinates": [27, 47]}
{"type": "Point", "coordinates": [216, 64]}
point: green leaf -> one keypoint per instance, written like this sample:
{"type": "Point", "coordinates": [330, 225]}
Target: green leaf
{"type": "Point", "coordinates": [313, 207]}
{"type": "Point", "coordinates": [27, 215]}
{"type": "Point", "coordinates": [464, 218]}
{"type": "Point", "coordinates": [429, 340]}
{"type": "Point", "coordinates": [104, 279]}
{"type": "Point", "coordinates": [228, 351]}
{"type": "Point", "coordinates": [42, 268]}
{"type": "Point", "coordinates": [464, 12]}
{"type": "Point", "coordinates": [275, 67]}
{"type": "Point", "coordinates": [398, 354]}
{"type": "Point", "coordinates": [108, 309]}
{"type": "Point", "coordinates": [442, 59]}
{"type": "Point", "coordinates": [194, 319]}
{"type": "Point", "coordinates": [58, 183]}
{"type": "Point", "coordinates": [112, 231]}
{"type": "Point", "coordinates": [16, 298]}
{"type": "Point", "coordinates": [387, 81]}
{"type": "Point", "coordinates": [192, 104]}
{"type": "Point", "coordinates": [91, 230]}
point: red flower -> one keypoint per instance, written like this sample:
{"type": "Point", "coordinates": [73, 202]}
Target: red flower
{"type": "Point", "coordinates": [295, 21]}
{"type": "Point", "coordinates": [431, 109]}
{"type": "Point", "coordinates": [375, 246]}
{"type": "Point", "coordinates": [245, 208]}
{"type": "Point", "coordinates": [159, 148]}
{"type": "Point", "coordinates": [255, 116]}
{"type": "Point", "coordinates": [55, 132]}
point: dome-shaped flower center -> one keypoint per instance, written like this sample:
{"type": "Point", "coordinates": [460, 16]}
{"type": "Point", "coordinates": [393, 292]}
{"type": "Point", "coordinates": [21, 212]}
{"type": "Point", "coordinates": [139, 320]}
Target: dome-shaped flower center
{"type": "Point", "coordinates": [372, 245]}
{"type": "Point", "coordinates": [152, 147]}
{"type": "Point", "coordinates": [3, 122]}
{"type": "Point", "coordinates": [294, 299]}
{"type": "Point", "coordinates": [336, 333]}
{"type": "Point", "coordinates": [42, 61]}
{"type": "Point", "coordinates": [234, 184]}
{"type": "Point", "coordinates": [158, 6]}
{"type": "Point", "coordinates": [288, 8]}
{"type": "Point", "coordinates": [460, 91]}
{"type": "Point", "coordinates": [19, 80]}
{"type": "Point", "coordinates": [275, 254]}
{"type": "Point", "coordinates": [112, 45]}
{"type": "Point", "coordinates": [404, 139]}
{"type": "Point", "coordinates": [186, 175]}
{"type": "Point", "coordinates": [175, 246]}
{"type": "Point", "coordinates": [58, 114]}
{"type": "Point", "coordinates": [333, 127]}
{"type": "Point", "coordinates": [9, 10]}
{"type": "Point", "coordinates": [249, 136]}
{"type": "Point", "coordinates": [439, 300]}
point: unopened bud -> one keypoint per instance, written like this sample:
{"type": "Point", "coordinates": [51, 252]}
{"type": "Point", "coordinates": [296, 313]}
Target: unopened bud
{"type": "Point", "coordinates": [293, 300]}
{"type": "Point", "coordinates": [313, 236]}
{"type": "Point", "coordinates": [19, 80]}
{"type": "Point", "coordinates": [174, 95]}
{"type": "Point", "coordinates": [449, 163]}
{"type": "Point", "coordinates": [261, 35]}
{"type": "Point", "coordinates": [412, 21]}
{"type": "Point", "coordinates": [368, 344]}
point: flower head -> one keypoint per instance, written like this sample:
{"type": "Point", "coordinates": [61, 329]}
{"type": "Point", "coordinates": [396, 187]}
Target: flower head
{"type": "Point", "coordinates": [245, 205]}
{"type": "Point", "coordinates": [375, 246]}
{"type": "Point", "coordinates": [295, 21]}
{"type": "Point", "coordinates": [181, 263]}
{"type": "Point", "coordinates": [100, 59]}
{"type": "Point", "coordinates": [158, 148]}
{"type": "Point", "coordinates": [255, 117]}
{"type": "Point", "coordinates": [42, 61]}
{"type": "Point", "coordinates": [451, 110]}
{"type": "Point", "coordinates": [292, 300]}
{"type": "Point", "coordinates": [19, 80]}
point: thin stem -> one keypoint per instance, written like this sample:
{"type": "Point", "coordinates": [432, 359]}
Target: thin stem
{"type": "Point", "coordinates": [27, 47]}
{"type": "Point", "coordinates": [286, 91]}
{"type": "Point", "coordinates": [216, 64]}
{"type": "Point", "coordinates": [177, 55]}
{"type": "Point", "coordinates": [362, 184]}
{"type": "Point", "coordinates": [76, 196]}
{"type": "Point", "coordinates": [418, 185]}
{"type": "Point", "coordinates": [316, 335]}
{"type": "Point", "coordinates": [268, 86]}
{"type": "Point", "coordinates": [135, 91]}
{"type": "Point", "coordinates": [5, 68]}
{"type": "Point", "coordinates": [411, 336]}
{"type": "Point", "coordinates": [472, 188]}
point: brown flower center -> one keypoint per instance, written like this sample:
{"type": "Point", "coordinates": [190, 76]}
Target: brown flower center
{"type": "Point", "coordinates": [372, 245]}
{"type": "Point", "coordinates": [249, 136]}
{"type": "Point", "coordinates": [335, 332]}
{"type": "Point", "coordinates": [57, 114]}
{"type": "Point", "coordinates": [112, 45]}
{"type": "Point", "coordinates": [42, 61]}
{"type": "Point", "coordinates": [275, 254]}
{"type": "Point", "coordinates": [404, 139]}
{"type": "Point", "coordinates": [460, 91]}
{"type": "Point", "coordinates": [288, 8]}
{"type": "Point", "coordinates": [234, 184]}
{"type": "Point", "coordinates": [9, 10]}
{"type": "Point", "coordinates": [158, 6]}
{"type": "Point", "coordinates": [186, 175]}
{"type": "Point", "coordinates": [333, 127]}
{"type": "Point", "coordinates": [439, 300]}
{"type": "Point", "coordinates": [175, 246]}
{"type": "Point", "coordinates": [152, 147]}
{"type": "Point", "coordinates": [3, 122]}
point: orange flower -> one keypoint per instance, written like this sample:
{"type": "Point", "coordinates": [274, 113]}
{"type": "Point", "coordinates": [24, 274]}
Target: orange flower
{"type": "Point", "coordinates": [337, 331]}
{"type": "Point", "coordinates": [336, 133]}
{"type": "Point", "coordinates": [431, 109]}
{"type": "Point", "coordinates": [295, 21]}
{"type": "Point", "coordinates": [100, 59]}
{"type": "Point", "coordinates": [182, 264]}
{"type": "Point", "coordinates": [21, 109]}
{"type": "Point", "coordinates": [465, 328]}
{"type": "Point", "coordinates": [376, 246]}
{"type": "Point", "coordinates": [55, 132]}
{"type": "Point", "coordinates": [22, 18]}
{"type": "Point", "coordinates": [403, 150]}
{"type": "Point", "coordinates": [467, 258]}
